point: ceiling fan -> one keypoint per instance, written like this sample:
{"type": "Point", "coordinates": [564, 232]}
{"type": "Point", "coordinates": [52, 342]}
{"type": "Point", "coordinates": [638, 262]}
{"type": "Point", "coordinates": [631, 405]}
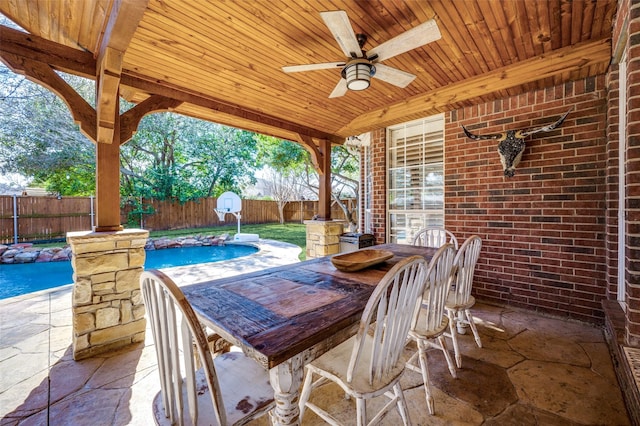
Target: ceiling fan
{"type": "Point", "coordinates": [361, 65]}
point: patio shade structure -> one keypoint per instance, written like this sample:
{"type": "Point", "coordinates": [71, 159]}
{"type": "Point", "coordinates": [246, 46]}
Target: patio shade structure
{"type": "Point", "coordinates": [222, 61]}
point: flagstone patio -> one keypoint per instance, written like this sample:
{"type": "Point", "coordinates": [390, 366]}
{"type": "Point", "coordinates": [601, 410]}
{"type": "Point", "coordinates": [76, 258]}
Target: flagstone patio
{"type": "Point", "coordinates": [532, 369]}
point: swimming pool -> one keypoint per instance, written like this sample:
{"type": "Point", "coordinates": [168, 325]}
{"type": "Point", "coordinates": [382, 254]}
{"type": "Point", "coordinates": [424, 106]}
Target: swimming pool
{"type": "Point", "coordinates": [17, 279]}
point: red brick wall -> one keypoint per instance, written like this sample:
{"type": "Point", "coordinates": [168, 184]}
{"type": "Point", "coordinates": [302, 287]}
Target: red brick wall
{"type": "Point", "coordinates": [543, 229]}
{"type": "Point", "coordinates": [379, 199]}
{"type": "Point", "coordinates": [549, 238]}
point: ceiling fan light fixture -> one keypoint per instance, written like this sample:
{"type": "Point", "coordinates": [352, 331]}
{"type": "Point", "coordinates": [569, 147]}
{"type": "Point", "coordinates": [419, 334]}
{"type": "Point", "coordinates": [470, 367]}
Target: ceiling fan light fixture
{"type": "Point", "coordinates": [358, 74]}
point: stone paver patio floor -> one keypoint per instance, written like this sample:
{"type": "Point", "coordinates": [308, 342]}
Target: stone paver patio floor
{"type": "Point", "coordinates": [532, 370]}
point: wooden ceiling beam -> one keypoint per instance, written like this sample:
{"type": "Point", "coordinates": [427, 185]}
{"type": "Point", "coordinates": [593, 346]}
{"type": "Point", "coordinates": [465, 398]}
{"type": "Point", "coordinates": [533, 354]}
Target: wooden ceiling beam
{"type": "Point", "coordinates": [121, 24]}
{"type": "Point", "coordinates": [81, 63]}
{"type": "Point", "coordinates": [58, 56]}
{"type": "Point", "coordinates": [316, 156]}
{"type": "Point", "coordinates": [181, 94]}
{"type": "Point", "coordinates": [130, 119]}
{"type": "Point", "coordinates": [556, 63]}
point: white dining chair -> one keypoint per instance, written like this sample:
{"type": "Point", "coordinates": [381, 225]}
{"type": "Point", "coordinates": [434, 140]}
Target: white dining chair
{"type": "Point", "coordinates": [432, 323]}
{"type": "Point", "coordinates": [459, 299]}
{"type": "Point", "coordinates": [434, 237]}
{"type": "Point", "coordinates": [231, 389]}
{"type": "Point", "coordinates": [371, 363]}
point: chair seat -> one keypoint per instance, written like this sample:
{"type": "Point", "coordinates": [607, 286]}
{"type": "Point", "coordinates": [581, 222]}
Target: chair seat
{"type": "Point", "coordinates": [420, 331]}
{"type": "Point", "coordinates": [334, 365]}
{"type": "Point", "coordinates": [454, 304]}
{"type": "Point", "coordinates": [238, 376]}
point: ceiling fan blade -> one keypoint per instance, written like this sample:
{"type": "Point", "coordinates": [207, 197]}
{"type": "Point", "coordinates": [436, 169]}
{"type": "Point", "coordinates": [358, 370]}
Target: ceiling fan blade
{"type": "Point", "coordinates": [313, 67]}
{"type": "Point", "coordinates": [338, 23]}
{"type": "Point", "coordinates": [340, 89]}
{"type": "Point", "coordinates": [408, 40]}
{"type": "Point", "coordinates": [393, 76]}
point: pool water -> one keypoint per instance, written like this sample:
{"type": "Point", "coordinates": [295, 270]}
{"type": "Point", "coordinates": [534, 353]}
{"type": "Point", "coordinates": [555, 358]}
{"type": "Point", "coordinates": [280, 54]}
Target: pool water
{"type": "Point", "coordinates": [17, 279]}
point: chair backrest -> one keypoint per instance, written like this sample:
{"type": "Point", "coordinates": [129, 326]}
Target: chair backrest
{"type": "Point", "coordinates": [440, 273]}
{"type": "Point", "coordinates": [388, 316]}
{"type": "Point", "coordinates": [434, 237]}
{"type": "Point", "coordinates": [465, 261]}
{"type": "Point", "coordinates": [176, 330]}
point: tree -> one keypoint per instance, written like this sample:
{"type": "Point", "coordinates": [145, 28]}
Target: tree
{"type": "Point", "coordinates": [173, 156]}
{"type": "Point", "coordinates": [283, 187]}
{"type": "Point", "coordinates": [289, 157]}
{"type": "Point", "coordinates": [282, 155]}
{"type": "Point", "coordinates": [38, 138]}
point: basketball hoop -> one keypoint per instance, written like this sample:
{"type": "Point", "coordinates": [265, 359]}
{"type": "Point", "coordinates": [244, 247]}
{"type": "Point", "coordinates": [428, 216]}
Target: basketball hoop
{"type": "Point", "coordinates": [229, 202]}
{"type": "Point", "coordinates": [221, 214]}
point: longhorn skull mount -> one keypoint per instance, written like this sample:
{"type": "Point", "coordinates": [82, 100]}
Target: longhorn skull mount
{"type": "Point", "coordinates": [511, 143]}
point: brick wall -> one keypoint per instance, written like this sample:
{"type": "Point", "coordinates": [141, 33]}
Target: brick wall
{"type": "Point", "coordinates": [379, 199]}
{"type": "Point", "coordinates": [622, 322]}
{"type": "Point", "coordinates": [543, 229]}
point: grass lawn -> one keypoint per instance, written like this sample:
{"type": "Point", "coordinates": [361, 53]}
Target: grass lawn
{"type": "Point", "coordinates": [294, 233]}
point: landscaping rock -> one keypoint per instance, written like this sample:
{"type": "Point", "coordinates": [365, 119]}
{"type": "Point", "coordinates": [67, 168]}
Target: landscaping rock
{"type": "Point", "coordinates": [8, 255]}
{"type": "Point", "coordinates": [173, 244]}
{"type": "Point", "coordinates": [26, 257]}
{"type": "Point", "coordinates": [161, 244]}
{"type": "Point", "coordinates": [44, 256]}
{"type": "Point", "coordinates": [190, 242]}
{"type": "Point", "coordinates": [62, 254]}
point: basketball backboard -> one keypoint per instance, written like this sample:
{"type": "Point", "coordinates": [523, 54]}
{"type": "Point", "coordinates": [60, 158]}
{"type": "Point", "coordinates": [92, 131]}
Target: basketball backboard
{"type": "Point", "coordinates": [229, 202]}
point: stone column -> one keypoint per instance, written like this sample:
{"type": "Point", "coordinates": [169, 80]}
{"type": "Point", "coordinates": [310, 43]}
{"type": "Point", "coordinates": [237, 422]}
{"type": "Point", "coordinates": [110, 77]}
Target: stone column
{"type": "Point", "coordinates": [323, 237]}
{"type": "Point", "coordinates": [108, 311]}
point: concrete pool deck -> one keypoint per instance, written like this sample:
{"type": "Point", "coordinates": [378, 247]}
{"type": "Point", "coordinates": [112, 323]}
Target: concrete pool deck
{"type": "Point", "coordinates": [531, 370]}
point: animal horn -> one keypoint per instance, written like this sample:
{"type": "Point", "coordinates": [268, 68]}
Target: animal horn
{"type": "Point", "coordinates": [547, 128]}
{"type": "Point", "coordinates": [498, 136]}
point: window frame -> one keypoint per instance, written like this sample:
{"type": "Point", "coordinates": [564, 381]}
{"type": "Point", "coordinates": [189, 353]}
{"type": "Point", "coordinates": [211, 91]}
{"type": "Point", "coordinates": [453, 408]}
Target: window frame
{"type": "Point", "coordinates": [408, 145]}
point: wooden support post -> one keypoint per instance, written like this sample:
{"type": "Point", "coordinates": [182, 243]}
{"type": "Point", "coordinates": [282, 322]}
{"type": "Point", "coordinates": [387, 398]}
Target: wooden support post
{"type": "Point", "coordinates": [108, 184]}
{"type": "Point", "coordinates": [324, 175]}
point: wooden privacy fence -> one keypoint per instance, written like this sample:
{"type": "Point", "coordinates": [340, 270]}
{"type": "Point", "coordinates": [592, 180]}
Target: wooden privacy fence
{"type": "Point", "coordinates": [26, 218]}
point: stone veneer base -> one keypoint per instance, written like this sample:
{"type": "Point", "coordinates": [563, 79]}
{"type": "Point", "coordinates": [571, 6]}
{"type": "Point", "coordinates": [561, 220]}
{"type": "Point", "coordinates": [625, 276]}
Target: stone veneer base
{"type": "Point", "coordinates": [108, 311]}
{"type": "Point", "coordinates": [323, 237]}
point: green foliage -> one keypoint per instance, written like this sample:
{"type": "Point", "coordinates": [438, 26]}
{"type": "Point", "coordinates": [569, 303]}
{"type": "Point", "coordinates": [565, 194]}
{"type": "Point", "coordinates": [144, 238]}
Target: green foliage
{"type": "Point", "coordinates": [38, 137]}
{"type": "Point", "coordinates": [282, 155]}
{"type": "Point", "coordinates": [135, 217]}
{"type": "Point", "coordinates": [77, 180]}
{"type": "Point", "coordinates": [177, 157]}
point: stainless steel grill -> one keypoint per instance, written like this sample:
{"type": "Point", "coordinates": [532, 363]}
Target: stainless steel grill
{"type": "Point", "coordinates": [352, 241]}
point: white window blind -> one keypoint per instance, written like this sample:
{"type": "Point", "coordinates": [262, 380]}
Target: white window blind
{"type": "Point", "coordinates": [415, 177]}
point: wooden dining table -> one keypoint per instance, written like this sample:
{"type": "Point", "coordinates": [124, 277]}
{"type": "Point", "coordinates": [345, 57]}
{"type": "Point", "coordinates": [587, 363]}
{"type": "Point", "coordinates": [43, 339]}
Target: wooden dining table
{"type": "Point", "coordinates": [286, 316]}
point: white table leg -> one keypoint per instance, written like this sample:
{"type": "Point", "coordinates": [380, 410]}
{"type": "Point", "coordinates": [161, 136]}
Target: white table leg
{"type": "Point", "coordinates": [286, 379]}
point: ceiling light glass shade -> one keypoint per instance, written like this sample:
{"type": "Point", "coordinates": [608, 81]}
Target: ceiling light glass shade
{"type": "Point", "coordinates": [358, 74]}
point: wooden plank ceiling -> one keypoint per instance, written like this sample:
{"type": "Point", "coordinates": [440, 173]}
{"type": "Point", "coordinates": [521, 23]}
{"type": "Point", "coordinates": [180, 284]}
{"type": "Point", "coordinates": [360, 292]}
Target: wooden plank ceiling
{"type": "Point", "coordinates": [223, 59]}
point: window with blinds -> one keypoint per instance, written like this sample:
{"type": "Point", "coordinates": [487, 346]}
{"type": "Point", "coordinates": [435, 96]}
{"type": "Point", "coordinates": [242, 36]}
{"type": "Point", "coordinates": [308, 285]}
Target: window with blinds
{"type": "Point", "coordinates": [415, 177]}
{"type": "Point", "coordinates": [367, 199]}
